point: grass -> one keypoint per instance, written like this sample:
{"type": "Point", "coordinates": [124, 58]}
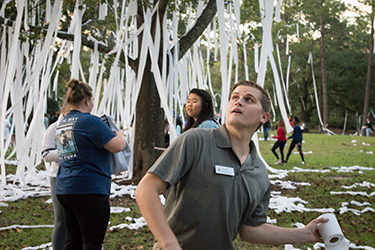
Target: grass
{"type": "Point", "coordinates": [327, 152]}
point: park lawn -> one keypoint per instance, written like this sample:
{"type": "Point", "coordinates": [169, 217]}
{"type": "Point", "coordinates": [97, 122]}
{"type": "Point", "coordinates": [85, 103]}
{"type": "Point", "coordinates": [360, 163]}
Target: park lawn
{"type": "Point", "coordinates": [327, 152]}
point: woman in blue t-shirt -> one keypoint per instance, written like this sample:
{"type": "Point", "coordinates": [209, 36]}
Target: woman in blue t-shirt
{"type": "Point", "coordinates": [200, 110]}
{"type": "Point", "coordinates": [84, 143]}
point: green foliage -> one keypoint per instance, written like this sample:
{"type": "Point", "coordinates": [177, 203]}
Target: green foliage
{"type": "Point", "coordinates": [346, 49]}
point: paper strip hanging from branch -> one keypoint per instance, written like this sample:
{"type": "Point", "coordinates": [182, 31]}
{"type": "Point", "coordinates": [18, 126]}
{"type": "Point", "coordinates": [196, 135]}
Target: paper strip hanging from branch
{"type": "Point", "coordinates": [280, 97]}
{"type": "Point", "coordinates": [77, 28]}
{"type": "Point", "coordinates": [102, 11]}
{"type": "Point", "coordinates": [310, 61]}
{"type": "Point", "coordinates": [287, 77]}
{"type": "Point", "coordinates": [266, 16]}
{"type": "Point", "coordinates": [245, 57]}
{"type": "Point", "coordinates": [282, 79]}
{"type": "Point", "coordinates": [278, 7]}
{"type": "Point", "coordinates": [223, 57]}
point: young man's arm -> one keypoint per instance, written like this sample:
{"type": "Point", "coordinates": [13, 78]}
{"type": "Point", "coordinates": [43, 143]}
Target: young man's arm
{"type": "Point", "coordinates": [274, 235]}
{"type": "Point", "coordinates": [147, 196]}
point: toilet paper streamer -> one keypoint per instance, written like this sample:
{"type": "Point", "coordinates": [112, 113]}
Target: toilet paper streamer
{"type": "Point", "coordinates": [330, 231]}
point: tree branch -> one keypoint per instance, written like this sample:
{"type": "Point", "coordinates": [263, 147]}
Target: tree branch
{"type": "Point", "coordinates": [201, 24]}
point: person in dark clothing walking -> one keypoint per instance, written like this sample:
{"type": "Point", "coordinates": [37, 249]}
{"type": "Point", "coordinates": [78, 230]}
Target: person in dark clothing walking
{"type": "Point", "coordinates": [296, 140]}
{"type": "Point", "coordinates": [266, 129]}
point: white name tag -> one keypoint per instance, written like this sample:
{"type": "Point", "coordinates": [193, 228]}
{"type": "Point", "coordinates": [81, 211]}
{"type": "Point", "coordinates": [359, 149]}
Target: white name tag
{"type": "Point", "coordinates": [224, 170]}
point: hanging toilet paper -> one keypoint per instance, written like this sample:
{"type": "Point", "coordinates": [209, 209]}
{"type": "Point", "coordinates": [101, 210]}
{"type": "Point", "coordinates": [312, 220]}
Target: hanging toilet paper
{"type": "Point", "coordinates": [330, 231]}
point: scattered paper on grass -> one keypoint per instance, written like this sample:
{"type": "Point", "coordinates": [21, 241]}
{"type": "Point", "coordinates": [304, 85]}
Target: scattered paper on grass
{"type": "Point", "coordinates": [354, 193]}
{"type": "Point", "coordinates": [363, 184]}
{"type": "Point", "coordinates": [293, 204]}
{"type": "Point", "coordinates": [345, 208]}
{"type": "Point", "coordinates": [23, 227]}
{"type": "Point", "coordinates": [44, 246]}
{"type": "Point", "coordinates": [40, 186]}
{"type": "Point", "coordinates": [138, 223]}
{"type": "Point", "coordinates": [118, 210]}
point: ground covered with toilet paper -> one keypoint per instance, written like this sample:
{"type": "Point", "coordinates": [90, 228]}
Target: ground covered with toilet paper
{"type": "Point", "coordinates": [300, 193]}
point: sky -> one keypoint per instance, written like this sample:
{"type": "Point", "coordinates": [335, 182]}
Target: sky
{"type": "Point", "coordinates": [350, 14]}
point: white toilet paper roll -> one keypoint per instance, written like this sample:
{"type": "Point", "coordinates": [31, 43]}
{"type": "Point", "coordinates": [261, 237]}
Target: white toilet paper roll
{"type": "Point", "coordinates": [330, 231]}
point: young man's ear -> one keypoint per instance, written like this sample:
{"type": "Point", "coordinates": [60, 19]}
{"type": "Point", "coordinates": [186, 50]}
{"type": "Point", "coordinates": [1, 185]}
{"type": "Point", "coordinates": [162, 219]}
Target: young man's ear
{"type": "Point", "coordinates": [265, 117]}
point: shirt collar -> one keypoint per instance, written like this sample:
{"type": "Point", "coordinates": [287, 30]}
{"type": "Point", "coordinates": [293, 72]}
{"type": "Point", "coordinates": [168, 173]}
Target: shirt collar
{"type": "Point", "coordinates": [223, 141]}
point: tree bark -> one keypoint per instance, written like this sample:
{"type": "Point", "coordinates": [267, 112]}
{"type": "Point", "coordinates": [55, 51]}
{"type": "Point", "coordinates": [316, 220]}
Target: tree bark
{"type": "Point", "coordinates": [149, 125]}
{"type": "Point", "coordinates": [368, 80]}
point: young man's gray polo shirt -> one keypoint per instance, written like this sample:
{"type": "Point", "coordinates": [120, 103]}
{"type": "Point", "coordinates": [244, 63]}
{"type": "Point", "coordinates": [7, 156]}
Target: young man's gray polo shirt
{"type": "Point", "coordinates": [211, 195]}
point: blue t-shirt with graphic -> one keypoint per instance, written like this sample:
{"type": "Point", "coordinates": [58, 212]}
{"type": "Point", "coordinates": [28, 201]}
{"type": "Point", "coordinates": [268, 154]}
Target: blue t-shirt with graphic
{"type": "Point", "coordinates": [84, 165]}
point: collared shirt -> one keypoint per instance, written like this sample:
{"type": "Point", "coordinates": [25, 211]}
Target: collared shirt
{"type": "Point", "coordinates": [212, 195]}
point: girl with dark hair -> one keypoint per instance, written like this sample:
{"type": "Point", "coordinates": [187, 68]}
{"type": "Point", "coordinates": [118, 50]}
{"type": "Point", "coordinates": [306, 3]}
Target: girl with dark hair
{"type": "Point", "coordinates": [200, 110]}
{"type": "Point", "coordinates": [83, 179]}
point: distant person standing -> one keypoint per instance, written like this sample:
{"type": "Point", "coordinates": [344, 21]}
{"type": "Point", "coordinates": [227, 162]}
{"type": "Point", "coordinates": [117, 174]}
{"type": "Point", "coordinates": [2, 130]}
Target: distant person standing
{"type": "Point", "coordinates": [200, 110]}
{"type": "Point", "coordinates": [83, 181]}
{"type": "Point", "coordinates": [296, 140]}
{"type": "Point", "coordinates": [266, 129]}
{"type": "Point", "coordinates": [55, 116]}
{"type": "Point", "coordinates": [368, 127]}
{"type": "Point", "coordinates": [280, 143]}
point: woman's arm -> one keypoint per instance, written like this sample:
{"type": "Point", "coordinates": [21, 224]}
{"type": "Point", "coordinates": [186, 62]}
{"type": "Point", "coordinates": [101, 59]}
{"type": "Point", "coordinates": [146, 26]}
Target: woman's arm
{"type": "Point", "coordinates": [117, 143]}
{"type": "Point", "coordinates": [50, 155]}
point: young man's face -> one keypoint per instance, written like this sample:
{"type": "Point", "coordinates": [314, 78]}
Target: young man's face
{"type": "Point", "coordinates": [245, 108]}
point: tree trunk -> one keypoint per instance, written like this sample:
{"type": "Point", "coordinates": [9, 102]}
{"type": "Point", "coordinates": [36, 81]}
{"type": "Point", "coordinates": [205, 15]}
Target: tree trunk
{"type": "Point", "coordinates": [149, 125]}
{"type": "Point", "coordinates": [323, 68]}
{"type": "Point", "coordinates": [368, 80]}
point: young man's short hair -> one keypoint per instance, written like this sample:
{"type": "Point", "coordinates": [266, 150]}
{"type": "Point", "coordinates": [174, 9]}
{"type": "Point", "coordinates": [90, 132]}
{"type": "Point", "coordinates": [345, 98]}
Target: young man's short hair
{"type": "Point", "coordinates": [265, 98]}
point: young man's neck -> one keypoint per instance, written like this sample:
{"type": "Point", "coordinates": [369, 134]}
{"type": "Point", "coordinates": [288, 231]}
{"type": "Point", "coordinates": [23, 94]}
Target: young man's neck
{"type": "Point", "coordinates": [240, 139]}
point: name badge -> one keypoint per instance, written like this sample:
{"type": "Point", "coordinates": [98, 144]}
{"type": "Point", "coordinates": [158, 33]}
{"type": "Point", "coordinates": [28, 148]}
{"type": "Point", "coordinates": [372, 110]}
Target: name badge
{"type": "Point", "coordinates": [224, 170]}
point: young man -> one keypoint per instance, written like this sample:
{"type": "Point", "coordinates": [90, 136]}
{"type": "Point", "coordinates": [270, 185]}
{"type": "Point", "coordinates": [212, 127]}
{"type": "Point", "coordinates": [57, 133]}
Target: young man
{"type": "Point", "coordinates": [218, 188]}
